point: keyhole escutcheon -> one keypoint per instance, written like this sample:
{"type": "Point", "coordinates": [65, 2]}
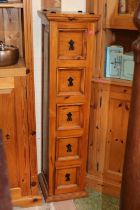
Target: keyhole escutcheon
{"type": "Point", "coordinates": [69, 116]}
{"type": "Point", "coordinates": [70, 81]}
{"type": "Point", "coordinates": [69, 147]}
{"type": "Point", "coordinates": [71, 45]}
{"type": "Point", "coordinates": [67, 176]}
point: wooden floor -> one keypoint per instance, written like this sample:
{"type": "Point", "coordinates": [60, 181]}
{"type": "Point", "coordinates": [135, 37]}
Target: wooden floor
{"type": "Point", "coordinates": [63, 205]}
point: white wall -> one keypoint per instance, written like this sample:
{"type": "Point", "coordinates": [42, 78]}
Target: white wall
{"type": "Point", "coordinates": [73, 5]}
{"type": "Point", "coordinates": [37, 74]}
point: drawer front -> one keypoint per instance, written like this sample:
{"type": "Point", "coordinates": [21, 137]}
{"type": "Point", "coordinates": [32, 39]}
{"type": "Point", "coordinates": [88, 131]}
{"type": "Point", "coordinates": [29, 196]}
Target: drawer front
{"type": "Point", "coordinates": [69, 117]}
{"type": "Point", "coordinates": [68, 148]}
{"type": "Point", "coordinates": [72, 44]}
{"type": "Point", "coordinates": [67, 180]}
{"type": "Point", "coordinates": [70, 81]}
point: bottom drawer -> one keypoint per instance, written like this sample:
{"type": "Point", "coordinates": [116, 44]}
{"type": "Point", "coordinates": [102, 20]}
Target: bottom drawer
{"type": "Point", "coordinates": [67, 180]}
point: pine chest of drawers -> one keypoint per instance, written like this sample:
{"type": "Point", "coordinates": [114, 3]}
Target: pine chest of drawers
{"type": "Point", "coordinates": [68, 42]}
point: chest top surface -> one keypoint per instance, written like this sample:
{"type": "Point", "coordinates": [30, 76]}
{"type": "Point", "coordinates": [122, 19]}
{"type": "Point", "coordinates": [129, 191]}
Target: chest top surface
{"type": "Point", "coordinates": [66, 17]}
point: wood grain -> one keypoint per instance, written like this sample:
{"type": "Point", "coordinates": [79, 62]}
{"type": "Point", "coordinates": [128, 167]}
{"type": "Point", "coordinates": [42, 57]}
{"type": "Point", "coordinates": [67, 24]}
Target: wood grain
{"type": "Point", "coordinates": [28, 35]}
{"type": "Point", "coordinates": [13, 71]}
{"type": "Point", "coordinates": [70, 81]}
{"type": "Point", "coordinates": [107, 137]}
{"type": "Point", "coordinates": [9, 135]}
{"type": "Point", "coordinates": [5, 199]}
{"type": "Point", "coordinates": [47, 4]}
{"type": "Point", "coordinates": [13, 28]}
{"type": "Point", "coordinates": [1, 26]}
{"type": "Point", "coordinates": [6, 83]}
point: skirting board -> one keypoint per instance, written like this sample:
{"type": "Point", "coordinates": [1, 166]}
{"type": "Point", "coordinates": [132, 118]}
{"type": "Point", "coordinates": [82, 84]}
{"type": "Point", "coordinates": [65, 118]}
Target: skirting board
{"type": "Point", "coordinates": [27, 201]}
{"type": "Point", "coordinates": [24, 201]}
{"type": "Point", "coordinates": [101, 185]}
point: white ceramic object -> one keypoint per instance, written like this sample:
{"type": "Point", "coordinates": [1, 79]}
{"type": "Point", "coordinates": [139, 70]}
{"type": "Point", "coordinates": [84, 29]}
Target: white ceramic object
{"type": "Point", "coordinates": [73, 5]}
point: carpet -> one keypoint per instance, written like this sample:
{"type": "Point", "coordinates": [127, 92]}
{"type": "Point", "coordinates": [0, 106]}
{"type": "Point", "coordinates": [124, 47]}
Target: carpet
{"type": "Point", "coordinates": [97, 201]}
{"type": "Point", "coordinates": [64, 205]}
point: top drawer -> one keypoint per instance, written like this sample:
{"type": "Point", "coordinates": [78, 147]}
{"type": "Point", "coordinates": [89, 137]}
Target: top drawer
{"type": "Point", "coordinates": [72, 44]}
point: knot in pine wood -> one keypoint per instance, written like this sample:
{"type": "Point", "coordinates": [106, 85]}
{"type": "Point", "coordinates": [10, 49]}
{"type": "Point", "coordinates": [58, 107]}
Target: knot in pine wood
{"type": "Point", "coordinates": [33, 133]}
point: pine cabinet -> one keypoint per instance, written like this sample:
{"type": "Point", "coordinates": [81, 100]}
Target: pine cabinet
{"type": "Point", "coordinates": [68, 49]}
{"type": "Point", "coordinates": [13, 112]}
{"type": "Point", "coordinates": [110, 99]}
{"type": "Point", "coordinates": [110, 105]}
{"type": "Point", "coordinates": [13, 115]}
{"type": "Point", "coordinates": [120, 21]}
{"type": "Point", "coordinates": [17, 117]}
{"type": "Point", "coordinates": [116, 135]}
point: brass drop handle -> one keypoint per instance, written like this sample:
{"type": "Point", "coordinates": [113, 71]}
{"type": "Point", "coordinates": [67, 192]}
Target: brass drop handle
{"type": "Point", "coordinates": [70, 81]}
{"type": "Point", "coordinates": [69, 116]}
{"type": "Point", "coordinates": [67, 176]}
{"type": "Point", "coordinates": [69, 147]}
{"type": "Point", "coordinates": [71, 43]}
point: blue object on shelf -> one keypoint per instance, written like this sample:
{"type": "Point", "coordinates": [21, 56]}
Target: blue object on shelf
{"type": "Point", "coordinates": [114, 56]}
{"type": "Point", "coordinates": [127, 66]}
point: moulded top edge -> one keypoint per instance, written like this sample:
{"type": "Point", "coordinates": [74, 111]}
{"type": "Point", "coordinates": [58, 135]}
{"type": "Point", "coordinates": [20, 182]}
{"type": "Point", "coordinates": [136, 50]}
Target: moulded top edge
{"type": "Point", "coordinates": [71, 16]}
{"type": "Point", "coordinates": [113, 81]}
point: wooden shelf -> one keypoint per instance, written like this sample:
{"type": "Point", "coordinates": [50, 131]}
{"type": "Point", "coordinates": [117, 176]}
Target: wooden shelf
{"type": "Point", "coordinates": [123, 21]}
{"type": "Point", "coordinates": [13, 71]}
{"type": "Point", "coordinates": [119, 82]}
{"type": "Point", "coordinates": [13, 4]}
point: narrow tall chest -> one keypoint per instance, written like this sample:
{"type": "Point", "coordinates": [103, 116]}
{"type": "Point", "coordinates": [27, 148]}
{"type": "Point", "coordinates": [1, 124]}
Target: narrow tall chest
{"type": "Point", "coordinates": [68, 49]}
